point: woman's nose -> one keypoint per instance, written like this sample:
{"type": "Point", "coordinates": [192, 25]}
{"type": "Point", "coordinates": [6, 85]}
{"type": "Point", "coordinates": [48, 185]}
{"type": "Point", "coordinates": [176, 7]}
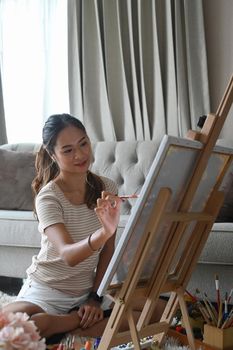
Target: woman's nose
{"type": "Point", "coordinates": [77, 152]}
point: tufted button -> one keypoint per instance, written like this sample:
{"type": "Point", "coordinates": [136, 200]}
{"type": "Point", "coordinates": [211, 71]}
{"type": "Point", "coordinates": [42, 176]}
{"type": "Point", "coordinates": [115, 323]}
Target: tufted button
{"type": "Point", "coordinates": [126, 208]}
{"type": "Point", "coordinates": [112, 159]}
{"type": "Point", "coordinates": [129, 207]}
{"type": "Point", "coordinates": [134, 159]}
{"type": "Point", "coordinates": [120, 181]}
{"type": "Point", "coordinates": [141, 181]}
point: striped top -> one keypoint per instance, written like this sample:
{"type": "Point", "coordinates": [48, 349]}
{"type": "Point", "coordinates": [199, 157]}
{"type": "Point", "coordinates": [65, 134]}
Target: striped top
{"type": "Point", "coordinates": [47, 267]}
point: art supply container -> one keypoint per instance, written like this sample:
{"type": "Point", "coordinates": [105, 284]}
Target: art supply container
{"type": "Point", "coordinates": [218, 338]}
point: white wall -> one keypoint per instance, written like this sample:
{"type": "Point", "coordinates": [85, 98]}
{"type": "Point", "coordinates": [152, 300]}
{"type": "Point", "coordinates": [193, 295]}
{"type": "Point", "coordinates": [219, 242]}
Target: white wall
{"type": "Point", "coordinates": [218, 15]}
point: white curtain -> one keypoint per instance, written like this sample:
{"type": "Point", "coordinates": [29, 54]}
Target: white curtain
{"type": "Point", "coordinates": [137, 68]}
{"type": "Point", "coordinates": [34, 65]}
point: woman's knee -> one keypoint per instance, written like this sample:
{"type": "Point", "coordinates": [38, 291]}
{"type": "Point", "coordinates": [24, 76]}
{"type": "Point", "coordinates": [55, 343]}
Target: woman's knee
{"type": "Point", "coordinates": [42, 321]}
{"type": "Point", "coordinates": [22, 306]}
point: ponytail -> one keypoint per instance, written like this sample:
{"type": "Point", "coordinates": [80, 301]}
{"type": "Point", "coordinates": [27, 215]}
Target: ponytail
{"type": "Point", "coordinates": [94, 187]}
{"type": "Point", "coordinates": [46, 170]}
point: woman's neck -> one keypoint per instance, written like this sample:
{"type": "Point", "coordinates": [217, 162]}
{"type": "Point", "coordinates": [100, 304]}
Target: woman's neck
{"type": "Point", "coordinates": [70, 183]}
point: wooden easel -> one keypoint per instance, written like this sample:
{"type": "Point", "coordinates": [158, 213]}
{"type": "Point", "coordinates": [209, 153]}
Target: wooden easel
{"type": "Point", "coordinates": [162, 281]}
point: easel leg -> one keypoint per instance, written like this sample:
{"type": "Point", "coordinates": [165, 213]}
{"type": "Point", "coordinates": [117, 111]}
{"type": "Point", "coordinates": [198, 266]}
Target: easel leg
{"type": "Point", "coordinates": [112, 325]}
{"type": "Point", "coordinates": [133, 330]}
{"type": "Point", "coordinates": [167, 316]}
{"type": "Point", "coordinates": [119, 312]}
{"type": "Point", "coordinates": [188, 328]}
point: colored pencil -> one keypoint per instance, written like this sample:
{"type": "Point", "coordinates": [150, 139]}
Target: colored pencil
{"type": "Point", "coordinates": [220, 315]}
{"type": "Point", "coordinates": [194, 299]}
{"type": "Point", "coordinates": [217, 290]}
{"type": "Point", "coordinates": [229, 296]}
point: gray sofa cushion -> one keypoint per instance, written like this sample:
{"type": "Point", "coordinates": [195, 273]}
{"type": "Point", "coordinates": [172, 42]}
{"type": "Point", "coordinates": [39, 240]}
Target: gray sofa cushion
{"type": "Point", "coordinates": [226, 212]}
{"type": "Point", "coordinates": [218, 248]}
{"type": "Point", "coordinates": [17, 170]}
{"type": "Point", "coordinates": [19, 229]}
{"type": "Point", "coordinates": [125, 162]}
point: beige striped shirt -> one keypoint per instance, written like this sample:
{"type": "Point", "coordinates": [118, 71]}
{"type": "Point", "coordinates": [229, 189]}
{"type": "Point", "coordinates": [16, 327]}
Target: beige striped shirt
{"type": "Point", "coordinates": [47, 267]}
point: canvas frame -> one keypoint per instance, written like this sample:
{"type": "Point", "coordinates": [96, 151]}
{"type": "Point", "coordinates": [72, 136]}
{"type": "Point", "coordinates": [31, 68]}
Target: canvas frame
{"type": "Point", "coordinates": [173, 152]}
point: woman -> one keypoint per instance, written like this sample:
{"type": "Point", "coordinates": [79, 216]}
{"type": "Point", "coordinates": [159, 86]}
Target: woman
{"type": "Point", "coordinates": [78, 215]}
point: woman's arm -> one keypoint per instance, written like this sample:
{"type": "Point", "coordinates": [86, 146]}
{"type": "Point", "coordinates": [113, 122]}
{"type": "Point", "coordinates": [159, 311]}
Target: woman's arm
{"type": "Point", "coordinates": [74, 253]}
{"type": "Point", "coordinates": [104, 259]}
{"type": "Point", "coordinates": [91, 311]}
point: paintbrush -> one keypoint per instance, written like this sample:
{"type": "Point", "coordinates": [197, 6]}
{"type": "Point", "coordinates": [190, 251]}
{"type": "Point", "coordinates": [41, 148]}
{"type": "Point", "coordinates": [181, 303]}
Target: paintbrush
{"type": "Point", "coordinates": [128, 196]}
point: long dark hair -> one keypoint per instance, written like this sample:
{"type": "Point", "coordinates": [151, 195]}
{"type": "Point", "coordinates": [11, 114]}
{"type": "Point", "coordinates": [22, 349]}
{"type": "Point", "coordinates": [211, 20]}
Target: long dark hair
{"type": "Point", "coordinates": [47, 169]}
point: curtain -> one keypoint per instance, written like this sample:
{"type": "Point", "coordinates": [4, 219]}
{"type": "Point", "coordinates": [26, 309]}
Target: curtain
{"type": "Point", "coordinates": [3, 136]}
{"type": "Point", "coordinates": [137, 68]}
{"type": "Point", "coordinates": [33, 61]}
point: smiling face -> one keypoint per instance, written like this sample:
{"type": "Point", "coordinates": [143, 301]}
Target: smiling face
{"type": "Point", "coordinates": [72, 150]}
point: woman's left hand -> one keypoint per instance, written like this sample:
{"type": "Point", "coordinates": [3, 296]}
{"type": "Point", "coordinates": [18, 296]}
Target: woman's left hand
{"type": "Point", "coordinates": [90, 313]}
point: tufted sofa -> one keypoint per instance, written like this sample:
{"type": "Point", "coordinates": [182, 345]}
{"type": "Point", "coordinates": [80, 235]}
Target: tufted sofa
{"type": "Point", "coordinates": [126, 162]}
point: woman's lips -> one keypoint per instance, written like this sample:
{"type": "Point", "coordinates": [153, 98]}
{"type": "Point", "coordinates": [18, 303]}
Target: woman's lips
{"type": "Point", "coordinates": [81, 164]}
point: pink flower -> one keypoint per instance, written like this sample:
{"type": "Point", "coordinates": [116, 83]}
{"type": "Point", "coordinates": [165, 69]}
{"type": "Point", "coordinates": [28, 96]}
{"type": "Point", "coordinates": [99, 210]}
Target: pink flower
{"type": "Point", "coordinates": [3, 320]}
{"type": "Point", "coordinates": [17, 331]}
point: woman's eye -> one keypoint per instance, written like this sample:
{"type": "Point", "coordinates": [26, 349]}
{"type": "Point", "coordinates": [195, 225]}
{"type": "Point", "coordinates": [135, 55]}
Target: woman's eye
{"type": "Point", "coordinates": [83, 144]}
{"type": "Point", "coordinates": [68, 150]}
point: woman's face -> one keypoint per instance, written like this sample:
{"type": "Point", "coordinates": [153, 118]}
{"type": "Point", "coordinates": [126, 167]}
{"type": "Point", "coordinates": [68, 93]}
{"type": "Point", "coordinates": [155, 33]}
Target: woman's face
{"type": "Point", "coordinates": [72, 151]}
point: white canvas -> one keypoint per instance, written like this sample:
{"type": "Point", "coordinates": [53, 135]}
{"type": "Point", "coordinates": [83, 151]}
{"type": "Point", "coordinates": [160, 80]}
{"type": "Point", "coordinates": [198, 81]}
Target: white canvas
{"type": "Point", "coordinates": [172, 167]}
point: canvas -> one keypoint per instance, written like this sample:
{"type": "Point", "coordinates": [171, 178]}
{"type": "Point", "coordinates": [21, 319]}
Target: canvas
{"type": "Point", "coordinates": [172, 168]}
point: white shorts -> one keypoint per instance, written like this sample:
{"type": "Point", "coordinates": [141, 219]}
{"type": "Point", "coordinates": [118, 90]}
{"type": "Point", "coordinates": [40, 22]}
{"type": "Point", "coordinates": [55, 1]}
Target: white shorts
{"type": "Point", "coordinates": [51, 300]}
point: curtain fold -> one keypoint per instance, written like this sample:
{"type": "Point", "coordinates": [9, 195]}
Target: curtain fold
{"type": "Point", "coordinates": [137, 68]}
{"type": "Point", "coordinates": [3, 135]}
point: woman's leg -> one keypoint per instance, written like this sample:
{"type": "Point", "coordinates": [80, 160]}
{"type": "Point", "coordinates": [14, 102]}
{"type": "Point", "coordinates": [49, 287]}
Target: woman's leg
{"type": "Point", "coordinates": [49, 325]}
{"type": "Point", "coordinates": [22, 306]}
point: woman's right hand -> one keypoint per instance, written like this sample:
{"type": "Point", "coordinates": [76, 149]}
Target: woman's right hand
{"type": "Point", "coordinates": [108, 212]}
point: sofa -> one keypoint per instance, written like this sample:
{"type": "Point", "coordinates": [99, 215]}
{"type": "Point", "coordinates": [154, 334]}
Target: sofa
{"type": "Point", "coordinates": [126, 162]}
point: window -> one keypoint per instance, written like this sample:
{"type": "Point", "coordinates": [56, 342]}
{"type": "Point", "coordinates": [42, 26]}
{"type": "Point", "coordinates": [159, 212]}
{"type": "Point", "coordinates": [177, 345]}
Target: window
{"type": "Point", "coordinates": [34, 65]}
